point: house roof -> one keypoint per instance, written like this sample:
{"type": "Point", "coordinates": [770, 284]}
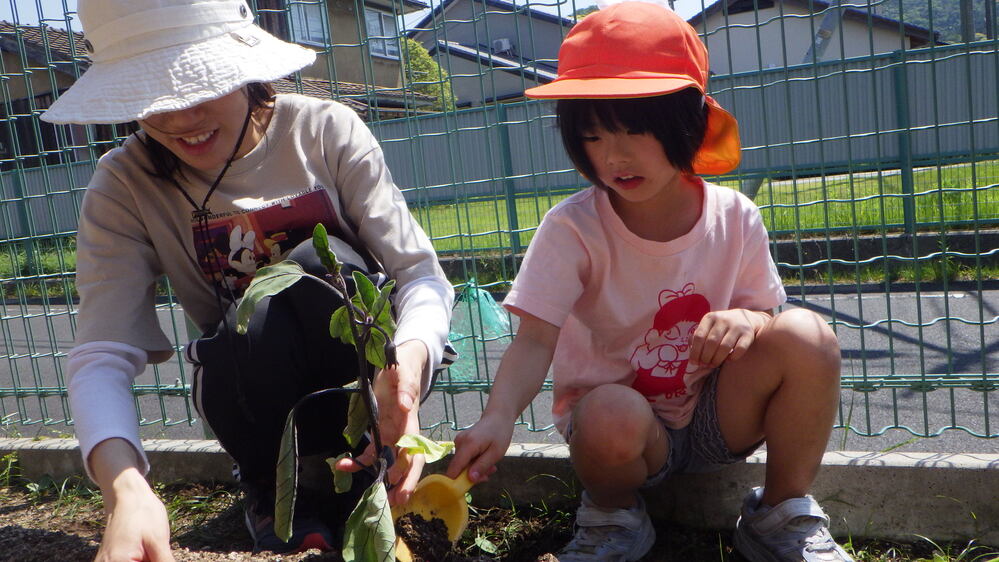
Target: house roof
{"type": "Point", "coordinates": [431, 16]}
{"type": "Point", "coordinates": [912, 31]}
{"type": "Point", "coordinates": [358, 97]}
{"type": "Point", "coordinates": [486, 58]}
{"type": "Point", "coordinates": [60, 54]}
{"type": "Point", "coordinates": [63, 48]}
{"type": "Point", "coordinates": [408, 5]}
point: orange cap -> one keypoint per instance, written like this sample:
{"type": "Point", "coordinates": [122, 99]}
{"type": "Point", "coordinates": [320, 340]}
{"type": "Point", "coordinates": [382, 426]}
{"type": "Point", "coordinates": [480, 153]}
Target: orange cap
{"type": "Point", "coordinates": [640, 49]}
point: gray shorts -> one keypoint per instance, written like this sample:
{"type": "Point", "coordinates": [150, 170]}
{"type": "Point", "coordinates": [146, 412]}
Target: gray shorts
{"type": "Point", "coordinates": [699, 446]}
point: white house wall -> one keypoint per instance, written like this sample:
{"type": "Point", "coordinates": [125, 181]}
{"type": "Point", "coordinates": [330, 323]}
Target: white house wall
{"type": "Point", "coordinates": [473, 83]}
{"type": "Point", "coordinates": [469, 25]}
{"type": "Point", "coordinates": [734, 49]}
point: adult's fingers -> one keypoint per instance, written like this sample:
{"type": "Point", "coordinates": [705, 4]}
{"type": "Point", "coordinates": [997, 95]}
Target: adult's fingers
{"type": "Point", "coordinates": [157, 551]}
{"type": "Point", "coordinates": [365, 459]}
{"type": "Point", "coordinates": [404, 487]}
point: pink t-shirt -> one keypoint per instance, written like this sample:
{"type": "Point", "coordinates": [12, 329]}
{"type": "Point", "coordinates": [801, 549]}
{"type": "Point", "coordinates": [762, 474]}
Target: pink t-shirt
{"type": "Point", "coordinates": [627, 306]}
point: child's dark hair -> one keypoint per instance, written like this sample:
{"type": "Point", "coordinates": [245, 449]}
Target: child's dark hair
{"type": "Point", "coordinates": [166, 163]}
{"type": "Point", "coordinates": [677, 120]}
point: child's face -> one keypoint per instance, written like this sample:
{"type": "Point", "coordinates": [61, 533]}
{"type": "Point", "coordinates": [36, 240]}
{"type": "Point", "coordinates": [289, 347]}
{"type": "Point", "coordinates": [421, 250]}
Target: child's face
{"type": "Point", "coordinates": [633, 165]}
{"type": "Point", "coordinates": [203, 136]}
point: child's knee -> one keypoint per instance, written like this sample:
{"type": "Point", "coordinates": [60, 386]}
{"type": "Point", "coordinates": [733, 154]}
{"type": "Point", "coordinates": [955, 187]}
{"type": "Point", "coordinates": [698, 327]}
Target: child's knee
{"type": "Point", "coordinates": [612, 416]}
{"type": "Point", "coordinates": [807, 345]}
{"type": "Point", "coordinates": [800, 331]}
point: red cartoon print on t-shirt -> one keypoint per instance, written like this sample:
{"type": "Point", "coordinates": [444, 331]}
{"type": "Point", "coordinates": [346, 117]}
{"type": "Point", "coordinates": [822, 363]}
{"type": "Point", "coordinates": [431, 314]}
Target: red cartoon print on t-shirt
{"type": "Point", "coordinates": [661, 361]}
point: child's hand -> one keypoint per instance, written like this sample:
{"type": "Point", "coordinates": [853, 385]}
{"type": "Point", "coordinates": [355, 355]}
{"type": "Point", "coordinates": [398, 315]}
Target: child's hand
{"type": "Point", "coordinates": [725, 334]}
{"type": "Point", "coordinates": [480, 447]}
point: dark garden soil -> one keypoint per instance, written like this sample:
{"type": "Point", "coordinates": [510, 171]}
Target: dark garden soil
{"type": "Point", "coordinates": [63, 522]}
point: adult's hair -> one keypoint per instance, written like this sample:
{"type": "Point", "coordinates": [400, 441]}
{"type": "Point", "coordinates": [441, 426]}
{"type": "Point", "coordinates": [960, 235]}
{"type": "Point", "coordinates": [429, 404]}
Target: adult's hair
{"type": "Point", "coordinates": [166, 163]}
{"type": "Point", "coordinates": [677, 120]}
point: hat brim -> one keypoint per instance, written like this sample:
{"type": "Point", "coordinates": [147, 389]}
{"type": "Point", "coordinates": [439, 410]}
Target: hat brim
{"type": "Point", "coordinates": [609, 88]}
{"type": "Point", "coordinates": [176, 77]}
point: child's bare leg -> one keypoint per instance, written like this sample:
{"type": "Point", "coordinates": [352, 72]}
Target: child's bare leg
{"type": "Point", "coordinates": [616, 443]}
{"type": "Point", "coordinates": [785, 388]}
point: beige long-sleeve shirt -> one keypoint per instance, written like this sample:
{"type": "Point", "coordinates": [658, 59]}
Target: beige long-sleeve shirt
{"type": "Point", "coordinates": [134, 228]}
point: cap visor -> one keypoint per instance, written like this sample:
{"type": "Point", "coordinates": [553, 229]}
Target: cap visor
{"type": "Point", "coordinates": [609, 88]}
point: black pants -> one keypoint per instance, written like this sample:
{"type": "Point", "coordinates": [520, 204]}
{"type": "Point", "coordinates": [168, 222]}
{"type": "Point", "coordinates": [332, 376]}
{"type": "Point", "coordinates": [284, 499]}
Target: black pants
{"type": "Point", "coordinates": [286, 353]}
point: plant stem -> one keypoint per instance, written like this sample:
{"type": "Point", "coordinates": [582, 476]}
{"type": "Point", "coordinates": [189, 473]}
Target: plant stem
{"type": "Point", "coordinates": [363, 369]}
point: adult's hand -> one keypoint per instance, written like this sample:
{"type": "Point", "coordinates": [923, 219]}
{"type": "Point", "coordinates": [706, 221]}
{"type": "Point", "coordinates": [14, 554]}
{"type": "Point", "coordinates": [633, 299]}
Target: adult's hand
{"type": "Point", "coordinates": [137, 529]}
{"type": "Point", "coordinates": [397, 391]}
{"type": "Point", "coordinates": [137, 526]}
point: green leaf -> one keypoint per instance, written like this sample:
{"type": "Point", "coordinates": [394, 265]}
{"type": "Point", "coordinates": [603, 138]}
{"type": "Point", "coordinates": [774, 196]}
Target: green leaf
{"type": "Point", "coordinates": [287, 480]}
{"type": "Point", "coordinates": [321, 243]}
{"type": "Point", "coordinates": [357, 420]}
{"type": "Point", "coordinates": [267, 282]}
{"type": "Point", "coordinates": [340, 326]}
{"type": "Point", "coordinates": [366, 290]}
{"type": "Point", "coordinates": [382, 309]}
{"type": "Point", "coordinates": [485, 545]}
{"type": "Point", "coordinates": [418, 444]}
{"type": "Point", "coordinates": [369, 534]}
{"type": "Point", "coordinates": [374, 349]}
{"type": "Point", "coordinates": [342, 480]}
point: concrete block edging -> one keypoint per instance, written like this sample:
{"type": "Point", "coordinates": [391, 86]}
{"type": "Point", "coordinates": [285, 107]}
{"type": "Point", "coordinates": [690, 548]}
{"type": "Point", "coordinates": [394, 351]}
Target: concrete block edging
{"type": "Point", "coordinates": [882, 495]}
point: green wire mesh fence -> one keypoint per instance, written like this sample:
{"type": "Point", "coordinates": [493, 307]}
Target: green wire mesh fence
{"type": "Point", "coordinates": [871, 145]}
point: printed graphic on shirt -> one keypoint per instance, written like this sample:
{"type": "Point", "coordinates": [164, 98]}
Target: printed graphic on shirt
{"type": "Point", "coordinates": [660, 362]}
{"type": "Point", "coordinates": [236, 244]}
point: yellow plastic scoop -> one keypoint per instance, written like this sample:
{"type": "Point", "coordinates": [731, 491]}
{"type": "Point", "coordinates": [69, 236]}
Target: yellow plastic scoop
{"type": "Point", "coordinates": [436, 496]}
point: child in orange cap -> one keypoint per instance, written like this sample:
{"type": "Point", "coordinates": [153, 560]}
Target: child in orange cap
{"type": "Point", "coordinates": [651, 296]}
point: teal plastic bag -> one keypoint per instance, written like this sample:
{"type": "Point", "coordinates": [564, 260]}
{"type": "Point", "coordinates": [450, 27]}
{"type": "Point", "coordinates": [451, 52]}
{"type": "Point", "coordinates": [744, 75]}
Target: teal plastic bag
{"type": "Point", "coordinates": [476, 320]}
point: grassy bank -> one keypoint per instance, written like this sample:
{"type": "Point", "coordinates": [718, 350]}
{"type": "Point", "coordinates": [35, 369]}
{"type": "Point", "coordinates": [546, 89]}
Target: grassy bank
{"type": "Point", "coordinates": [859, 202]}
{"type": "Point", "coordinates": [866, 201]}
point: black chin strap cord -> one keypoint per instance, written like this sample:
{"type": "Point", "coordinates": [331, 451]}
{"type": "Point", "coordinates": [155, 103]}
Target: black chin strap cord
{"type": "Point", "coordinates": [201, 214]}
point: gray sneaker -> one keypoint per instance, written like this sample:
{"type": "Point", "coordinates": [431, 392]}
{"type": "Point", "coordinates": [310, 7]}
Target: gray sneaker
{"type": "Point", "coordinates": [621, 535]}
{"type": "Point", "coordinates": [794, 530]}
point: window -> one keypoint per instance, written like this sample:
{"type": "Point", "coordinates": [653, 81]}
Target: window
{"type": "Point", "coordinates": [20, 125]}
{"type": "Point", "coordinates": [383, 37]}
{"type": "Point", "coordinates": [307, 23]}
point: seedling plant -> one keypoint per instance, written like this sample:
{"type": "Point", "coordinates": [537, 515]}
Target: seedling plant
{"type": "Point", "coordinates": [365, 322]}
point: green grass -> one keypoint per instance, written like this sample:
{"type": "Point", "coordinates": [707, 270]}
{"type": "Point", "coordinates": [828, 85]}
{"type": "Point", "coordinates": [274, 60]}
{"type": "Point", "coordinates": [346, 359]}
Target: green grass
{"type": "Point", "coordinates": [942, 194]}
{"type": "Point", "coordinates": [945, 194]}
{"type": "Point", "coordinates": [933, 271]}
{"type": "Point", "coordinates": [477, 225]}
{"type": "Point", "coordinates": [481, 228]}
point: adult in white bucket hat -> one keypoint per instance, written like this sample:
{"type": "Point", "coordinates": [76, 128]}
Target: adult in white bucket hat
{"type": "Point", "coordinates": [220, 178]}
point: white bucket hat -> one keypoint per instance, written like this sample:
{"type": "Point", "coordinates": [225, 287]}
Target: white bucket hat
{"type": "Point", "coordinates": [151, 56]}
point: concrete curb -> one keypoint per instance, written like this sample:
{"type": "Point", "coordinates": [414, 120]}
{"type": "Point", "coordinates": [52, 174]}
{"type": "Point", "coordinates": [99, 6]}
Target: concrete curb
{"type": "Point", "coordinates": [882, 495]}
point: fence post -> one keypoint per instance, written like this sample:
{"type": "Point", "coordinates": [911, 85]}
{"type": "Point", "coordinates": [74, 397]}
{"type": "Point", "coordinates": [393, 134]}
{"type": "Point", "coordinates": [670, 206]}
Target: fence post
{"type": "Point", "coordinates": [509, 188]}
{"type": "Point", "coordinates": [904, 142]}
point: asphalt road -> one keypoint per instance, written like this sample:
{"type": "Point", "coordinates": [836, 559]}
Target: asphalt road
{"type": "Point", "coordinates": [968, 343]}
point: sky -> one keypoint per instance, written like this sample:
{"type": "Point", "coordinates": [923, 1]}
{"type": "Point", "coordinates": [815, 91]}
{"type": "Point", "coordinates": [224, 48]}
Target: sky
{"type": "Point", "coordinates": [29, 12]}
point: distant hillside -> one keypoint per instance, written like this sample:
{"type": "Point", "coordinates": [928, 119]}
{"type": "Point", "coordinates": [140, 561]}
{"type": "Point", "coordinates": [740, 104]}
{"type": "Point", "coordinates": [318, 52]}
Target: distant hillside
{"type": "Point", "coordinates": [946, 15]}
